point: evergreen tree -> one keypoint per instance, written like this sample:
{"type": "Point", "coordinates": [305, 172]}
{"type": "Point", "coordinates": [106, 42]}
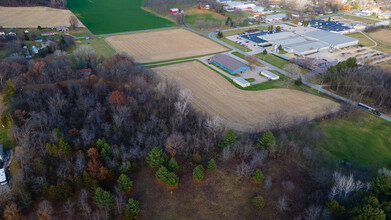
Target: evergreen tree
{"type": "Point", "coordinates": [280, 47]}
{"type": "Point", "coordinates": [298, 82]}
{"type": "Point", "coordinates": [267, 141]}
{"type": "Point", "coordinates": [104, 148]}
{"type": "Point", "coordinates": [258, 202]}
{"type": "Point", "coordinates": [64, 147]}
{"type": "Point", "coordinates": [198, 173]}
{"type": "Point", "coordinates": [172, 180]}
{"type": "Point", "coordinates": [173, 165]}
{"type": "Point", "coordinates": [124, 183]}
{"type": "Point", "coordinates": [212, 165]}
{"type": "Point", "coordinates": [155, 158]}
{"type": "Point", "coordinates": [162, 174]}
{"type": "Point", "coordinates": [220, 34]}
{"type": "Point", "coordinates": [264, 52]}
{"type": "Point", "coordinates": [258, 176]}
{"type": "Point", "coordinates": [103, 199]}
{"type": "Point", "coordinates": [278, 28]}
{"type": "Point", "coordinates": [229, 138]}
{"type": "Point", "coordinates": [132, 209]}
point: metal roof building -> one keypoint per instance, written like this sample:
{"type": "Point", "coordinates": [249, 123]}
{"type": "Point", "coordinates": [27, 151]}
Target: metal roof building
{"type": "Point", "coordinates": [306, 47]}
{"type": "Point", "coordinates": [229, 63]}
{"type": "Point", "coordinates": [332, 39]}
{"type": "Point", "coordinates": [242, 82]}
{"type": "Point", "coordinates": [270, 75]}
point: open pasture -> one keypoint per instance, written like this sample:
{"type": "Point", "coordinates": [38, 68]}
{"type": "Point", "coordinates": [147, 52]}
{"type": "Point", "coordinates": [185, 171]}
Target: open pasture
{"type": "Point", "coordinates": [32, 17]}
{"type": "Point", "coordinates": [163, 45]}
{"type": "Point", "coordinates": [102, 16]}
{"type": "Point", "coordinates": [243, 110]}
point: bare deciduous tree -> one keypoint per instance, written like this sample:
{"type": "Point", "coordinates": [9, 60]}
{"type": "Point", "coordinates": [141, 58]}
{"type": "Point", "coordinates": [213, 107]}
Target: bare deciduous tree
{"type": "Point", "coordinates": [73, 22]}
{"type": "Point", "coordinates": [282, 204]}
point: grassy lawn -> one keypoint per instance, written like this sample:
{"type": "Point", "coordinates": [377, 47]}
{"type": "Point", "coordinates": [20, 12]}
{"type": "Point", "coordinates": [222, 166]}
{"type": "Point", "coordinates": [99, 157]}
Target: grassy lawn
{"type": "Point", "coordinates": [193, 15]}
{"type": "Point", "coordinates": [244, 57]}
{"type": "Point", "coordinates": [383, 46]}
{"type": "Point", "coordinates": [289, 24]}
{"type": "Point", "coordinates": [362, 19]}
{"type": "Point", "coordinates": [100, 46]}
{"type": "Point", "coordinates": [363, 40]}
{"type": "Point", "coordinates": [4, 139]}
{"type": "Point", "coordinates": [102, 16]}
{"type": "Point", "coordinates": [362, 140]}
{"type": "Point", "coordinates": [277, 62]}
{"type": "Point", "coordinates": [250, 80]}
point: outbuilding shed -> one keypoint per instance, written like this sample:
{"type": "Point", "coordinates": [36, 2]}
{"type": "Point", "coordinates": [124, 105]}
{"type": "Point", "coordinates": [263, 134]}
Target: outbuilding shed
{"type": "Point", "coordinates": [241, 82]}
{"type": "Point", "coordinates": [270, 75]}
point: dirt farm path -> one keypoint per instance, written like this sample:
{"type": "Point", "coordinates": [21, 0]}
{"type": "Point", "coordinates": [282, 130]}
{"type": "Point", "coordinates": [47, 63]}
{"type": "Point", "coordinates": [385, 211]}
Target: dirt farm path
{"type": "Point", "coordinates": [243, 110]}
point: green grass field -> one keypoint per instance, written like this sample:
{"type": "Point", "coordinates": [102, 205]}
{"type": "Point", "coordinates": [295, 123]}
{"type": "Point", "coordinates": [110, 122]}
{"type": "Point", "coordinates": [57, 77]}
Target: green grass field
{"type": "Point", "coordinates": [103, 16]}
{"type": "Point", "coordinates": [361, 140]}
{"type": "Point", "coordinates": [277, 62]}
{"type": "Point", "coordinates": [363, 40]}
{"type": "Point", "coordinates": [4, 140]}
{"type": "Point", "coordinates": [362, 19]}
{"type": "Point", "coordinates": [100, 46]}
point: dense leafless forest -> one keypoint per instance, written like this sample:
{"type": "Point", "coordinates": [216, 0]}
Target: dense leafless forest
{"type": "Point", "coordinates": [50, 3]}
{"type": "Point", "coordinates": [366, 84]}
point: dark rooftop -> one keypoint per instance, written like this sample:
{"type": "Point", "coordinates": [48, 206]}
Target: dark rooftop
{"type": "Point", "coordinates": [227, 61]}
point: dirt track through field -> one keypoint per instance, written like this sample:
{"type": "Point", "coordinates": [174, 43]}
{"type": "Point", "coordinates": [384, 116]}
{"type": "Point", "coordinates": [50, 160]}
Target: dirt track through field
{"type": "Point", "coordinates": [31, 17]}
{"type": "Point", "coordinates": [163, 45]}
{"type": "Point", "coordinates": [244, 110]}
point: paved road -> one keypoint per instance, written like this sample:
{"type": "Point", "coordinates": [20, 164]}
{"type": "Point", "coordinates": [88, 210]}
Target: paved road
{"type": "Point", "coordinates": [212, 36]}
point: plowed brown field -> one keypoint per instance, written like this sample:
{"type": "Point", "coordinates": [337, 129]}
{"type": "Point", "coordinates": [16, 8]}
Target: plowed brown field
{"type": "Point", "coordinates": [244, 110]}
{"type": "Point", "coordinates": [163, 45]}
{"type": "Point", "coordinates": [31, 17]}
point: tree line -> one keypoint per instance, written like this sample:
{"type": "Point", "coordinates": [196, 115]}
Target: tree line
{"type": "Point", "coordinates": [367, 84]}
{"type": "Point", "coordinates": [50, 3]}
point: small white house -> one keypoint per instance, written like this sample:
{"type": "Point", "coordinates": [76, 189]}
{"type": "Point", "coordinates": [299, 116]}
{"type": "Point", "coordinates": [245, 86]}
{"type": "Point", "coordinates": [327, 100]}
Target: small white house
{"type": "Point", "coordinates": [241, 82]}
{"type": "Point", "coordinates": [269, 75]}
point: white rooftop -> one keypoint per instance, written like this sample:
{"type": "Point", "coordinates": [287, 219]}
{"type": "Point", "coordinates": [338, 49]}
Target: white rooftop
{"type": "Point", "coordinates": [241, 80]}
{"type": "Point", "coordinates": [270, 74]}
{"type": "Point", "coordinates": [276, 16]}
{"type": "Point", "coordinates": [330, 38]}
{"type": "Point", "coordinates": [3, 178]}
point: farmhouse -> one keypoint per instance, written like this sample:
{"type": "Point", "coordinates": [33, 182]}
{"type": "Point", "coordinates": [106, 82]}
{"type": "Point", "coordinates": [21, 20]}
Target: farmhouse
{"type": "Point", "coordinates": [2, 32]}
{"type": "Point", "coordinates": [241, 82]}
{"type": "Point", "coordinates": [11, 33]}
{"type": "Point", "coordinates": [230, 64]}
{"type": "Point", "coordinates": [269, 75]}
{"type": "Point", "coordinates": [175, 11]}
{"type": "Point", "coordinates": [47, 33]}
{"type": "Point", "coordinates": [38, 39]}
{"type": "Point", "coordinates": [62, 29]}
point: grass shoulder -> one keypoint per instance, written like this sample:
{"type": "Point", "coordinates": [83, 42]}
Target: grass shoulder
{"type": "Point", "coordinates": [99, 44]}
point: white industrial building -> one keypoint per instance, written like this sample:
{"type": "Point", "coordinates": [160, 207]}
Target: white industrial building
{"type": "Point", "coordinates": [269, 75]}
{"type": "Point", "coordinates": [275, 17]}
{"type": "Point", "coordinates": [309, 42]}
{"type": "Point", "coordinates": [241, 82]}
{"type": "Point", "coordinates": [334, 40]}
{"type": "Point", "coordinates": [258, 9]}
{"type": "Point", "coordinates": [237, 5]}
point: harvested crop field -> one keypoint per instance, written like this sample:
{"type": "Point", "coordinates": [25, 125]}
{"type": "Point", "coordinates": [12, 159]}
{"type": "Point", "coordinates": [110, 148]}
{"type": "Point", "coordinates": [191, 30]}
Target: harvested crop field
{"type": "Point", "coordinates": [244, 110]}
{"type": "Point", "coordinates": [163, 45]}
{"type": "Point", "coordinates": [383, 35]}
{"type": "Point", "coordinates": [32, 17]}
